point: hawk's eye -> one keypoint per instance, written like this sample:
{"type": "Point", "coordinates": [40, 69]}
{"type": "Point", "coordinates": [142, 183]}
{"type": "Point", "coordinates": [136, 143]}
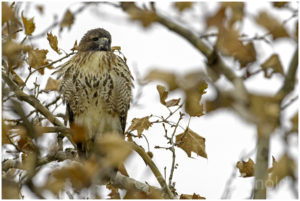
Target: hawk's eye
{"type": "Point", "coordinates": [95, 39]}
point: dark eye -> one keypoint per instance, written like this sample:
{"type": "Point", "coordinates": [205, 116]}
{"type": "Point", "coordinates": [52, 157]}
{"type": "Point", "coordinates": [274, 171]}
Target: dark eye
{"type": "Point", "coordinates": [95, 39]}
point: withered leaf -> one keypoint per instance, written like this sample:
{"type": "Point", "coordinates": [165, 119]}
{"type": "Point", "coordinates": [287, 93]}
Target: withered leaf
{"type": "Point", "coordinates": [140, 124]}
{"type": "Point", "coordinates": [52, 85]}
{"type": "Point", "coordinates": [53, 42]}
{"type": "Point", "coordinates": [8, 13]}
{"type": "Point", "coordinates": [228, 44]}
{"type": "Point", "coordinates": [75, 46]}
{"type": "Point", "coordinates": [294, 121]}
{"type": "Point", "coordinates": [163, 95]}
{"type": "Point", "coordinates": [114, 148]}
{"type": "Point", "coordinates": [28, 25]}
{"type": "Point", "coordinates": [237, 10]}
{"type": "Point", "coordinates": [194, 197]}
{"type": "Point", "coordinates": [167, 77]}
{"type": "Point", "coordinates": [246, 168]}
{"type": "Point", "coordinates": [67, 20]}
{"type": "Point", "coordinates": [37, 58]}
{"type": "Point", "coordinates": [216, 20]}
{"type": "Point", "coordinates": [40, 8]}
{"type": "Point", "coordinates": [190, 142]}
{"type": "Point", "coordinates": [272, 65]}
{"type": "Point", "coordinates": [279, 4]}
{"type": "Point", "coordinates": [281, 169]}
{"type": "Point", "coordinates": [146, 17]}
{"type": "Point", "coordinates": [272, 25]}
{"type": "Point", "coordinates": [114, 192]}
{"type": "Point", "coordinates": [182, 6]}
{"type": "Point", "coordinates": [10, 189]}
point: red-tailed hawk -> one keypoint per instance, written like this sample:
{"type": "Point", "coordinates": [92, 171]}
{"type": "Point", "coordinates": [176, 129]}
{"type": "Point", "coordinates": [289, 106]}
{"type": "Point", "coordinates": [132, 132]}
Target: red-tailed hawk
{"type": "Point", "coordinates": [96, 87]}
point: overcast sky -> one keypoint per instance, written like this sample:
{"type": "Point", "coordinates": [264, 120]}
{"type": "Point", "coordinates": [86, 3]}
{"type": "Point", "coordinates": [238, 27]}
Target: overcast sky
{"type": "Point", "coordinates": [228, 138]}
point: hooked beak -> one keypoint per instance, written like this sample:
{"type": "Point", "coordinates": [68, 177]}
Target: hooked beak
{"type": "Point", "coordinates": [104, 44]}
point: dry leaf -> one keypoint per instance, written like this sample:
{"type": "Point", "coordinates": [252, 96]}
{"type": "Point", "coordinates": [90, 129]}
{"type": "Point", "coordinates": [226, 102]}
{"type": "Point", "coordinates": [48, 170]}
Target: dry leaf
{"type": "Point", "coordinates": [216, 20]}
{"type": "Point", "coordinates": [272, 25]}
{"type": "Point", "coordinates": [37, 58]}
{"type": "Point", "coordinates": [10, 189]}
{"type": "Point", "coordinates": [228, 44]}
{"type": "Point", "coordinates": [281, 169]}
{"type": "Point", "coordinates": [52, 85]}
{"type": "Point", "coordinates": [115, 48]}
{"type": "Point", "coordinates": [279, 4]}
{"type": "Point", "coordinates": [8, 13]}
{"type": "Point", "coordinates": [168, 77]}
{"type": "Point", "coordinates": [194, 197]}
{"type": "Point", "coordinates": [28, 25]}
{"type": "Point", "coordinates": [53, 42]}
{"type": "Point", "coordinates": [67, 20]}
{"type": "Point", "coordinates": [114, 192]}
{"type": "Point", "coordinates": [75, 46]}
{"type": "Point", "coordinates": [140, 124]}
{"type": "Point", "coordinates": [163, 94]}
{"type": "Point", "coordinates": [114, 148]}
{"type": "Point", "coordinates": [146, 17]}
{"type": "Point", "coordinates": [190, 142]}
{"type": "Point", "coordinates": [294, 121]}
{"type": "Point", "coordinates": [40, 8]}
{"type": "Point", "coordinates": [182, 6]}
{"type": "Point", "coordinates": [272, 65]}
{"type": "Point", "coordinates": [237, 11]}
{"type": "Point", "coordinates": [246, 168]}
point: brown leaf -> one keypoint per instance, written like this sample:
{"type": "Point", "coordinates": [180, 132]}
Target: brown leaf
{"type": "Point", "coordinates": [194, 197]}
{"type": "Point", "coordinates": [281, 169]}
{"type": "Point", "coordinates": [146, 17]}
{"type": "Point", "coordinates": [216, 20]}
{"type": "Point", "coordinates": [5, 137]}
{"type": "Point", "coordinates": [182, 6]}
{"type": "Point", "coordinates": [272, 25]}
{"type": "Point", "coordinates": [14, 52]}
{"type": "Point", "coordinates": [52, 85]}
{"type": "Point", "coordinates": [272, 65]}
{"type": "Point", "coordinates": [75, 46]}
{"type": "Point", "coordinates": [167, 77]}
{"type": "Point", "coordinates": [115, 48]}
{"type": "Point", "coordinates": [279, 4]}
{"type": "Point", "coordinates": [8, 12]}
{"type": "Point", "coordinates": [114, 148]}
{"type": "Point", "coordinates": [190, 142]}
{"type": "Point", "coordinates": [10, 189]}
{"type": "Point", "coordinates": [294, 121]}
{"type": "Point", "coordinates": [140, 124]}
{"type": "Point", "coordinates": [246, 168]}
{"type": "Point", "coordinates": [163, 94]}
{"type": "Point", "coordinates": [28, 25]}
{"type": "Point", "coordinates": [173, 102]}
{"type": "Point", "coordinates": [114, 192]}
{"type": "Point", "coordinates": [237, 11]}
{"type": "Point", "coordinates": [40, 8]}
{"type": "Point", "coordinates": [228, 44]}
{"type": "Point", "coordinates": [53, 42]}
{"type": "Point", "coordinates": [67, 20]}
{"type": "Point", "coordinates": [37, 58]}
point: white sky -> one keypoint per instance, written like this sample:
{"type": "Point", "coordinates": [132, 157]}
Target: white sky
{"type": "Point", "coordinates": [227, 137]}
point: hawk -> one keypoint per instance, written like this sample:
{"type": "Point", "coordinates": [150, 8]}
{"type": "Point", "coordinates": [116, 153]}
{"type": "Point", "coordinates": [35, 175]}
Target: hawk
{"type": "Point", "coordinates": [96, 87]}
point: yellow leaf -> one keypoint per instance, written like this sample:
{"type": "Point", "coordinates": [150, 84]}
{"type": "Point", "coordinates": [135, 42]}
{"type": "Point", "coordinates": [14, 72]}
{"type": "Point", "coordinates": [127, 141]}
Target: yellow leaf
{"type": "Point", "coordinates": [194, 197]}
{"type": "Point", "coordinates": [37, 58]}
{"type": "Point", "coordinates": [246, 168]}
{"type": "Point", "coordinates": [52, 85]}
{"type": "Point", "coordinates": [272, 25]}
{"type": "Point", "coordinates": [28, 25]}
{"type": "Point", "coordinates": [140, 124]}
{"type": "Point", "coordinates": [182, 6]}
{"type": "Point", "coordinates": [67, 20]}
{"type": "Point", "coordinates": [53, 42]}
{"type": "Point", "coordinates": [281, 169]}
{"type": "Point", "coordinates": [167, 77]}
{"type": "Point", "coordinates": [190, 142]}
{"type": "Point", "coordinates": [272, 65]}
{"type": "Point", "coordinates": [228, 44]}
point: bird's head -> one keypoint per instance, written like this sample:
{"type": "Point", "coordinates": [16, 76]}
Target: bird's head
{"type": "Point", "coordinates": [95, 40]}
